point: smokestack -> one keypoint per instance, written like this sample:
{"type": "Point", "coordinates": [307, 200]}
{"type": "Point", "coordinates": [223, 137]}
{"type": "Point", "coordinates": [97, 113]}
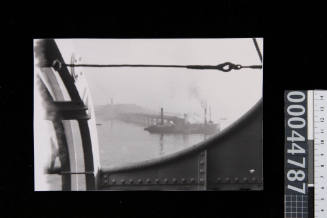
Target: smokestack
{"type": "Point", "coordinates": [185, 118]}
{"type": "Point", "coordinates": [205, 115]}
{"type": "Point", "coordinates": [161, 115]}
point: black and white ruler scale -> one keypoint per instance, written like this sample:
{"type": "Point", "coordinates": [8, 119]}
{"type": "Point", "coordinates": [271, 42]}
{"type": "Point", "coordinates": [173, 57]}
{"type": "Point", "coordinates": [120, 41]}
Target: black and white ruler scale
{"type": "Point", "coordinates": [306, 154]}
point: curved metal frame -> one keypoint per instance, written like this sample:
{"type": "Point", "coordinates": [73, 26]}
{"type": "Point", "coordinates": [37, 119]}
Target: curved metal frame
{"type": "Point", "coordinates": [191, 150]}
{"type": "Point", "coordinates": [48, 53]}
{"type": "Point", "coordinates": [197, 153]}
{"type": "Point", "coordinates": [62, 142]}
{"type": "Point", "coordinates": [199, 167]}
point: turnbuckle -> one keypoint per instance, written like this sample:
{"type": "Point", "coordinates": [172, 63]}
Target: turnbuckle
{"type": "Point", "coordinates": [228, 66]}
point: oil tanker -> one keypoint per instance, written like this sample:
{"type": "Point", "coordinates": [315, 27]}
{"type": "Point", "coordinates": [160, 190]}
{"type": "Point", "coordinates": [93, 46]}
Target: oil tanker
{"type": "Point", "coordinates": [182, 126]}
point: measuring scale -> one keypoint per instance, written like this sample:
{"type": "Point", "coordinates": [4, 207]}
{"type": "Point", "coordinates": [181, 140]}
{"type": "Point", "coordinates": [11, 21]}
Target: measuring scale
{"type": "Point", "coordinates": [319, 101]}
{"type": "Point", "coordinates": [306, 154]}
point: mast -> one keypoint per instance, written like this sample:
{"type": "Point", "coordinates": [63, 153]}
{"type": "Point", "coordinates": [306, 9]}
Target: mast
{"type": "Point", "coordinates": [161, 116]}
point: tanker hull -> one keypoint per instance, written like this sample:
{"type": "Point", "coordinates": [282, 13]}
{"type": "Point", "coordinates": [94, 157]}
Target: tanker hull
{"type": "Point", "coordinates": [185, 129]}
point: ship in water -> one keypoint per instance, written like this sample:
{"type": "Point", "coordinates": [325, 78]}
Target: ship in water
{"type": "Point", "coordinates": [183, 126]}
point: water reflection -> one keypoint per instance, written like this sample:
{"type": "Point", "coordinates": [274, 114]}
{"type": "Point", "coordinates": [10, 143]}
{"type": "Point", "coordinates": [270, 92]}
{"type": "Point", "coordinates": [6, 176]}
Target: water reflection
{"type": "Point", "coordinates": [122, 142]}
{"type": "Point", "coordinates": [161, 144]}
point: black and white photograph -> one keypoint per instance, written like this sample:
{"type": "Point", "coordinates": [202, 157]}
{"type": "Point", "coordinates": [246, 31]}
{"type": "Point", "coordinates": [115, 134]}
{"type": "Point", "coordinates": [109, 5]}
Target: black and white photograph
{"type": "Point", "coordinates": [148, 114]}
{"type": "Point", "coordinates": [164, 112]}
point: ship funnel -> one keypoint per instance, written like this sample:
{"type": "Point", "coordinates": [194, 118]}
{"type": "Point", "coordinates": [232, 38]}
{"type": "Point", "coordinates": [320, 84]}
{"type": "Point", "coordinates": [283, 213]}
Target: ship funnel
{"type": "Point", "coordinates": [161, 116]}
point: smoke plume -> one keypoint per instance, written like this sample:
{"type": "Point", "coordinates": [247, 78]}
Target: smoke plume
{"type": "Point", "coordinates": [195, 93]}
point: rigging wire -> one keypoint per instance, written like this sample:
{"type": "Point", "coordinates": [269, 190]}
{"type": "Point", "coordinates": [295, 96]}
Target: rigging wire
{"type": "Point", "coordinates": [225, 67]}
{"type": "Point", "coordinates": [257, 48]}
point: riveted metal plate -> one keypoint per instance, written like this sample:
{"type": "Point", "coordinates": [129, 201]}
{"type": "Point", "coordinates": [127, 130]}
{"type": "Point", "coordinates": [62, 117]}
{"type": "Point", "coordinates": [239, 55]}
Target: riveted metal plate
{"type": "Point", "coordinates": [202, 170]}
{"type": "Point", "coordinates": [235, 161]}
{"type": "Point", "coordinates": [187, 173]}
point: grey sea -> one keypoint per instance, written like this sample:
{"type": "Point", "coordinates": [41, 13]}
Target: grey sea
{"type": "Point", "coordinates": [123, 142]}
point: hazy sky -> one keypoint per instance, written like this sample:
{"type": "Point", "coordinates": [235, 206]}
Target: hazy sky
{"type": "Point", "coordinates": [178, 90]}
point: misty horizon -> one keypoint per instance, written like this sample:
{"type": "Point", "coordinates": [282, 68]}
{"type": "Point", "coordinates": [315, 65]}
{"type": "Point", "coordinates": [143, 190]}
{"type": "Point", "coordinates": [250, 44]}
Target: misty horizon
{"type": "Point", "coordinates": [229, 94]}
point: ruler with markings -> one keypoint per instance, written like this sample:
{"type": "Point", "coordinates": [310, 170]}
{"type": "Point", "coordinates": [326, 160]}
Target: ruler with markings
{"type": "Point", "coordinates": [320, 153]}
{"type": "Point", "coordinates": [305, 154]}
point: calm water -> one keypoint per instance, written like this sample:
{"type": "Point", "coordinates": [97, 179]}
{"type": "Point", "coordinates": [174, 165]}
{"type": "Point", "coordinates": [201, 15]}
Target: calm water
{"type": "Point", "coordinates": [122, 142]}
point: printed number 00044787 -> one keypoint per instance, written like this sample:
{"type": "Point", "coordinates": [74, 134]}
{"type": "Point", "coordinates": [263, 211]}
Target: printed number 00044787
{"type": "Point", "coordinates": [295, 124]}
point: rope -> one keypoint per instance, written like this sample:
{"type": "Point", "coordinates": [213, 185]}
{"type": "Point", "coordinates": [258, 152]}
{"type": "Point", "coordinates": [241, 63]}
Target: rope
{"type": "Point", "coordinates": [124, 65]}
{"type": "Point", "coordinates": [257, 48]}
{"type": "Point", "coordinates": [225, 67]}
